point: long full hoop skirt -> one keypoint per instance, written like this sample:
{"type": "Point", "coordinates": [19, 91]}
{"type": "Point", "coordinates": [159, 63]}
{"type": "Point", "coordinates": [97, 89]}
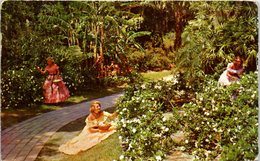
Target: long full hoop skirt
{"type": "Point", "coordinates": [55, 92]}
{"type": "Point", "coordinates": [224, 80]}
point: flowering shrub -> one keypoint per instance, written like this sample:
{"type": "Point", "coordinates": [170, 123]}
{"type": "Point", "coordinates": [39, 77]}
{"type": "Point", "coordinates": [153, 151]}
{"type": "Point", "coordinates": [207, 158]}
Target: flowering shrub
{"type": "Point", "coordinates": [144, 130]}
{"type": "Point", "coordinates": [21, 84]}
{"type": "Point", "coordinates": [223, 121]}
{"type": "Point", "coordinates": [19, 87]}
{"type": "Point", "coordinates": [217, 122]}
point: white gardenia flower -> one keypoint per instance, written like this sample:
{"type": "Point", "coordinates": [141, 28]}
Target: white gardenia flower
{"type": "Point", "coordinates": [164, 119]}
{"type": "Point", "coordinates": [134, 130]}
{"type": "Point", "coordinates": [213, 101]}
{"type": "Point", "coordinates": [197, 128]}
{"type": "Point", "coordinates": [207, 140]}
{"type": "Point", "coordinates": [158, 158]}
{"type": "Point", "coordinates": [167, 129]}
{"type": "Point", "coordinates": [157, 135]}
{"type": "Point", "coordinates": [121, 157]}
{"type": "Point", "coordinates": [186, 141]}
{"type": "Point", "coordinates": [120, 137]}
{"type": "Point", "coordinates": [182, 148]}
{"type": "Point", "coordinates": [158, 87]}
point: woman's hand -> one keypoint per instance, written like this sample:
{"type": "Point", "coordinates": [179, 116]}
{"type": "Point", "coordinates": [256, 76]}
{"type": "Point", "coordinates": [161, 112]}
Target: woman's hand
{"type": "Point", "coordinates": [100, 128]}
{"type": "Point", "coordinates": [104, 127]}
{"type": "Point", "coordinates": [38, 68]}
{"type": "Point", "coordinates": [93, 129]}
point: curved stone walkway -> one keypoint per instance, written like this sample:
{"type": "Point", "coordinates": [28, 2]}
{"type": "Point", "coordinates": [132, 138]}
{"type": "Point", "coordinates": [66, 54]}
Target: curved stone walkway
{"type": "Point", "coordinates": [24, 141]}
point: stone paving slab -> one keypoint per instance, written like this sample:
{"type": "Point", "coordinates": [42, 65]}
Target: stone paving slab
{"type": "Point", "coordinates": [24, 141]}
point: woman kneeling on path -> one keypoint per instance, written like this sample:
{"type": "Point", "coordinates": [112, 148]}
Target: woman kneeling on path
{"type": "Point", "coordinates": [99, 126]}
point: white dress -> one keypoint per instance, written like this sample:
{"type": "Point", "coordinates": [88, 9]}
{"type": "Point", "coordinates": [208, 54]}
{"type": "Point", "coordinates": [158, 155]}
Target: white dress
{"type": "Point", "coordinates": [224, 80]}
{"type": "Point", "coordinates": [85, 140]}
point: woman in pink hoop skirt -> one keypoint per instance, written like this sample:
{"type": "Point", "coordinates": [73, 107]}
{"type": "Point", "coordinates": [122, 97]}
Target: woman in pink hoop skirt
{"type": "Point", "coordinates": [54, 89]}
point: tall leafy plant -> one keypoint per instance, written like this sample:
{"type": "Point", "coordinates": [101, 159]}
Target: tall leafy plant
{"type": "Point", "coordinates": [219, 31]}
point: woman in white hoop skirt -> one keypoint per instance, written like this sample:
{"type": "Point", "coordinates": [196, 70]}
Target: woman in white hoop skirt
{"type": "Point", "coordinates": [233, 72]}
{"type": "Point", "coordinates": [99, 126]}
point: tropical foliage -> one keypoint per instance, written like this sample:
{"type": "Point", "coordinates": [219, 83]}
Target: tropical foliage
{"type": "Point", "coordinates": [219, 31]}
{"type": "Point", "coordinates": [197, 39]}
{"type": "Point", "coordinates": [73, 33]}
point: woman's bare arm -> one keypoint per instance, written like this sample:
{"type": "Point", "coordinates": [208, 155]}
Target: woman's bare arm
{"type": "Point", "coordinates": [93, 129]}
{"type": "Point", "coordinates": [115, 114]}
{"type": "Point", "coordinates": [41, 71]}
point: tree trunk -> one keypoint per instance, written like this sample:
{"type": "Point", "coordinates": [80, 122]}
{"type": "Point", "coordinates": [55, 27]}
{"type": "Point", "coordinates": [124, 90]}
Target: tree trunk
{"type": "Point", "coordinates": [101, 47]}
{"type": "Point", "coordinates": [178, 28]}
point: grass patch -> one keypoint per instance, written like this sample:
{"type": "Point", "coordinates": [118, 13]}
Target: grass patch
{"type": "Point", "coordinates": [10, 117]}
{"type": "Point", "coordinates": [155, 75]}
{"type": "Point", "coordinates": [108, 150]}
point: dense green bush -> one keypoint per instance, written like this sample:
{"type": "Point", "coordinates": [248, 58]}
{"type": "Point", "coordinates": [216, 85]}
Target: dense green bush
{"type": "Point", "coordinates": [144, 130]}
{"type": "Point", "coordinates": [19, 87]}
{"type": "Point", "coordinates": [217, 121]}
{"type": "Point", "coordinates": [159, 62]}
{"type": "Point", "coordinates": [150, 59]}
{"type": "Point", "coordinates": [223, 121]}
{"type": "Point", "coordinates": [22, 84]}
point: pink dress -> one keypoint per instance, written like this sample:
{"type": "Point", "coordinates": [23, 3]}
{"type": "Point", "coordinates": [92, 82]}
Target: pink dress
{"type": "Point", "coordinates": [54, 89]}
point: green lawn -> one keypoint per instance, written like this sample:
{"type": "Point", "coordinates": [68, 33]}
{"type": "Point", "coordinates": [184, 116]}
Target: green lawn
{"type": "Point", "coordinates": [156, 75]}
{"type": "Point", "coordinates": [108, 150]}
